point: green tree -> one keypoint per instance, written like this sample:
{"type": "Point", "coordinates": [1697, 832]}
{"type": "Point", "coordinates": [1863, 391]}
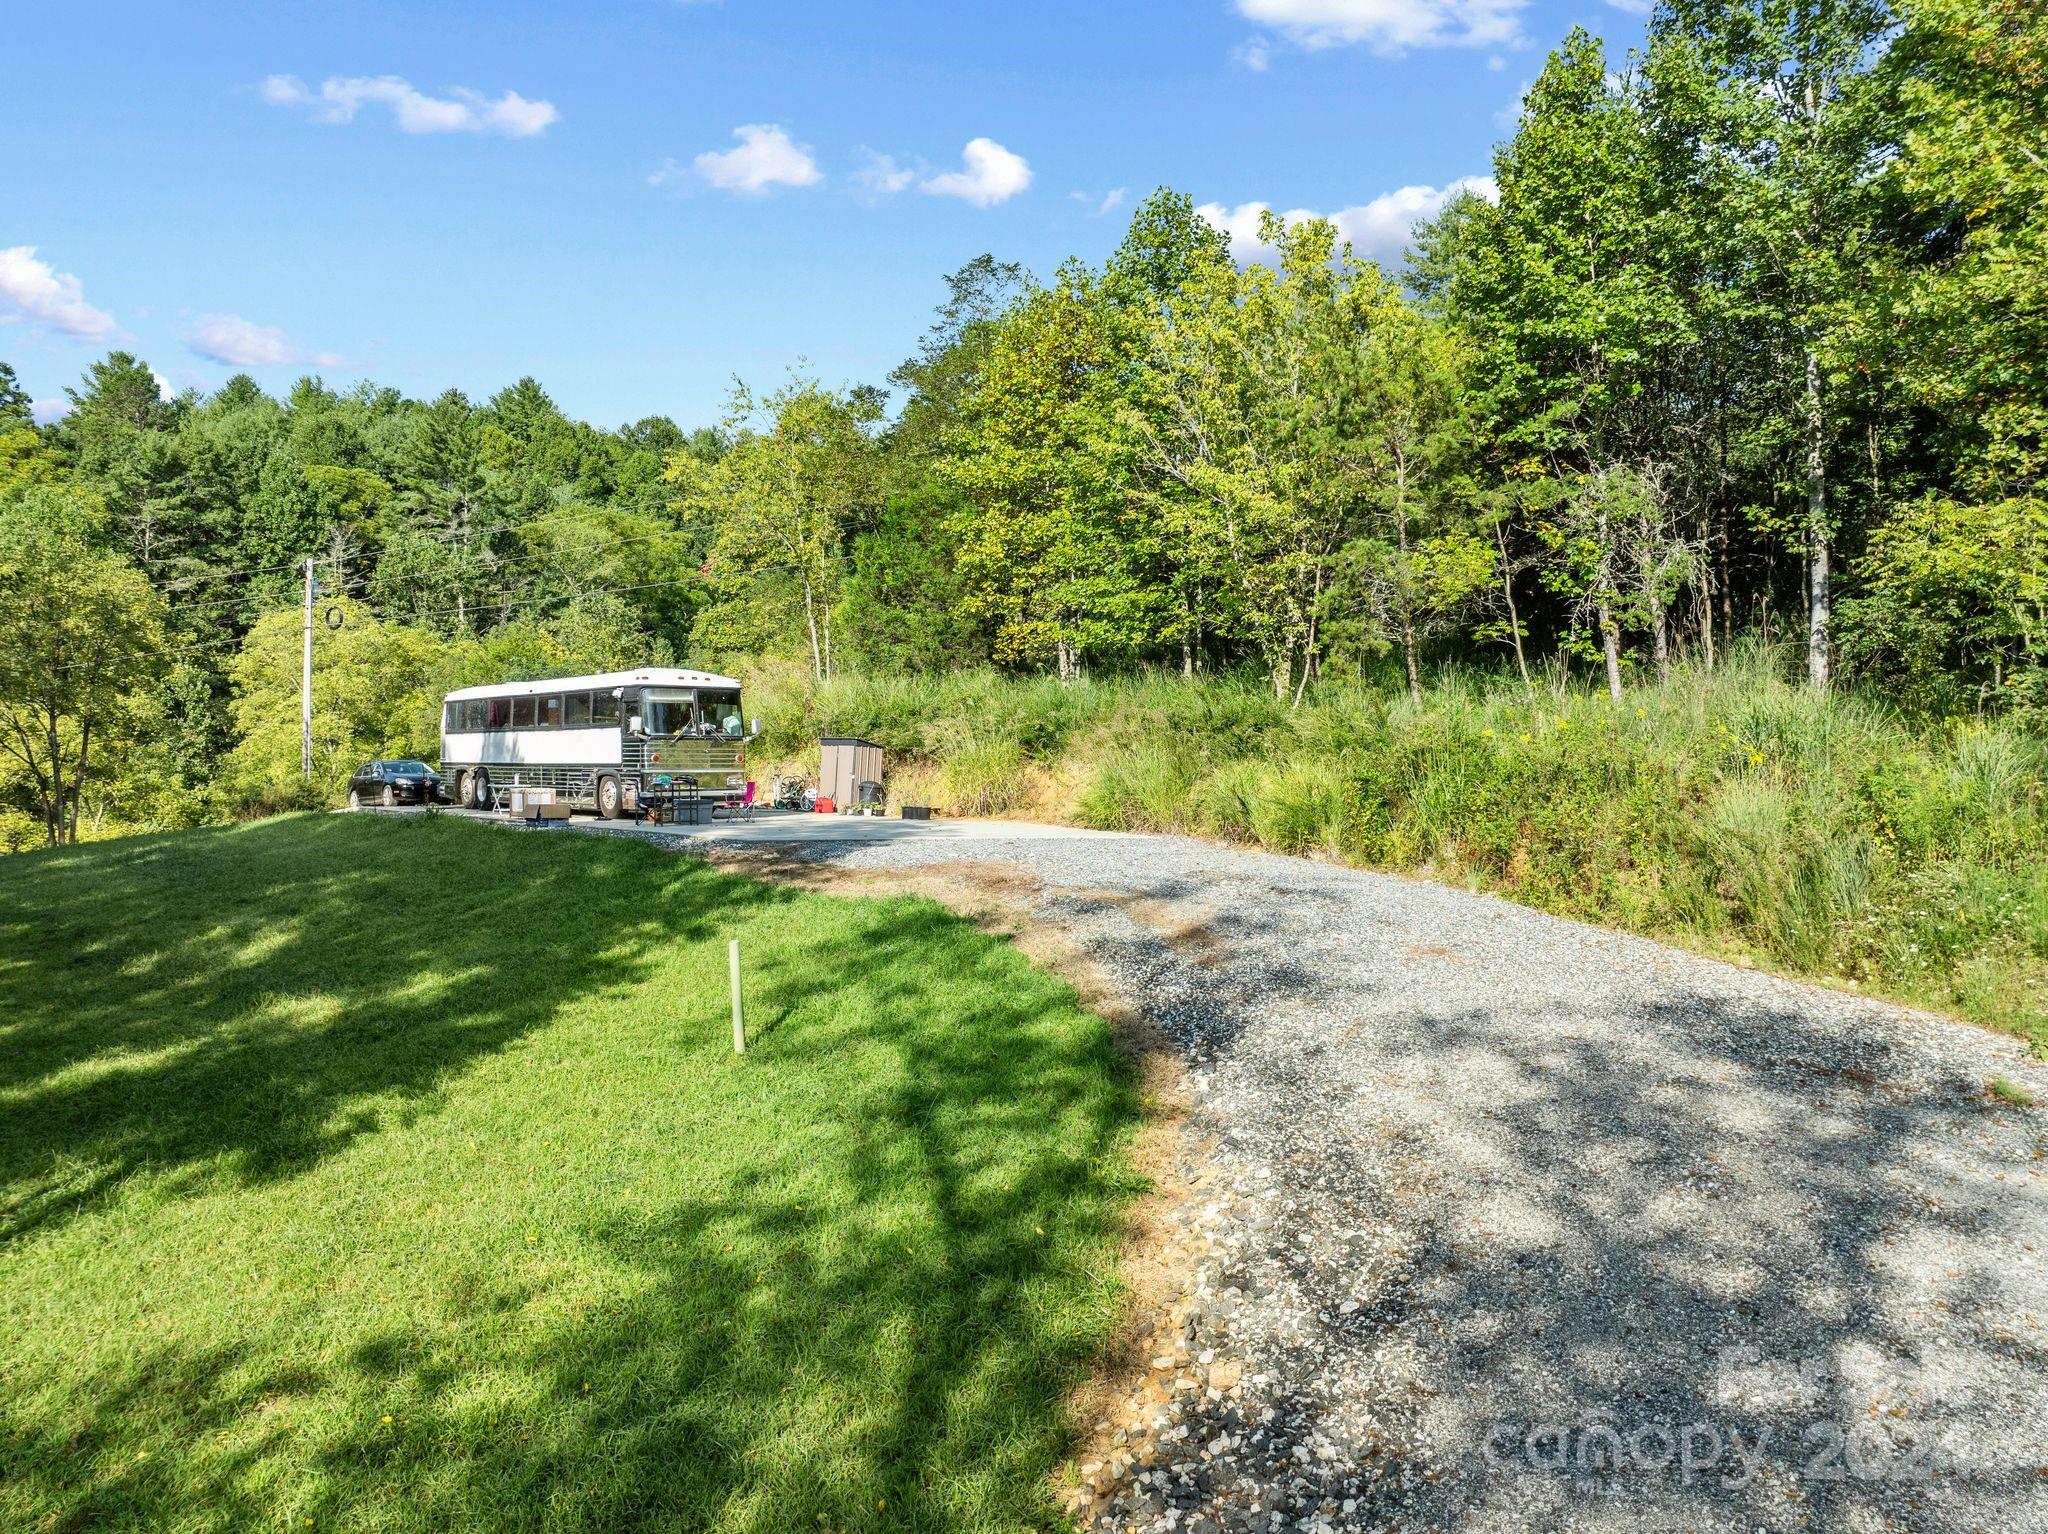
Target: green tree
{"type": "Point", "coordinates": [800, 468]}
{"type": "Point", "coordinates": [370, 694]}
{"type": "Point", "coordinates": [119, 436]}
{"type": "Point", "coordinates": [1798, 131]}
{"type": "Point", "coordinates": [81, 635]}
{"type": "Point", "coordinates": [1421, 569]}
{"type": "Point", "coordinates": [16, 410]}
{"type": "Point", "coordinates": [1260, 406]}
{"type": "Point", "coordinates": [1169, 249]}
{"type": "Point", "coordinates": [1954, 599]}
{"type": "Point", "coordinates": [903, 607]}
{"type": "Point", "coordinates": [942, 378]}
{"type": "Point", "coordinates": [439, 553]}
{"type": "Point", "coordinates": [1051, 549]}
{"type": "Point", "coordinates": [1973, 75]}
{"type": "Point", "coordinates": [1586, 291]}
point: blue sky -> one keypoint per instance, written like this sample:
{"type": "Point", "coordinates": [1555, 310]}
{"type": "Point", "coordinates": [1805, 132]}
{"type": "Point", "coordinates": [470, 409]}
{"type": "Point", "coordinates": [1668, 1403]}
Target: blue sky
{"type": "Point", "coordinates": [635, 200]}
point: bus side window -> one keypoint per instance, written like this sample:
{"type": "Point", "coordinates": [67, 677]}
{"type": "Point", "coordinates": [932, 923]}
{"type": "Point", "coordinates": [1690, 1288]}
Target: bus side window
{"type": "Point", "coordinates": [604, 708]}
{"type": "Point", "coordinates": [451, 715]}
{"type": "Point", "coordinates": [476, 714]}
{"type": "Point", "coordinates": [576, 710]}
{"type": "Point", "coordinates": [499, 714]}
{"type": "Point", "coordinates": [548, 715]}
{"type": "Point", "coordinates": [522, 713]}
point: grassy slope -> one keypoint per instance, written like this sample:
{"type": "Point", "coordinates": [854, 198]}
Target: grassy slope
{"type": "Point", "coordinates": [362, 1174]}
{"type": "Point", "coordinates": [1735, 811]}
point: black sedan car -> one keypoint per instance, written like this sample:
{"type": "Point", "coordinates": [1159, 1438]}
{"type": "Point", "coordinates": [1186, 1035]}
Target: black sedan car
{"type": "Point", "coordinates": [394, 783]}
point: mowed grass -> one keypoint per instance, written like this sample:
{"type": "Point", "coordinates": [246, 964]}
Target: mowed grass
{"type": "Point", "coordinates": [363, 1173]}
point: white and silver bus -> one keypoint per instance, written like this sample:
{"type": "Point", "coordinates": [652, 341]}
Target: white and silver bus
{"type": "Point", "coordinates": [610, 742]}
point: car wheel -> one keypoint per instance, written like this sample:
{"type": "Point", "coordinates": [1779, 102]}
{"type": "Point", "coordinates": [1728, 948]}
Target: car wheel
{"type": "Point", "coordinates": [355, 800]}
{"type": "Point", "coordinates": [609, 803]}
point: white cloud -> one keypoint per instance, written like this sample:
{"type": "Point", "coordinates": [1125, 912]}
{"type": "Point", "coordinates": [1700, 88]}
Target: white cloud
{"type": "Point", "coordinates": [1109, 202]}
{"type": "Point", "coordinates": [1390, 26]}
{"type": "Point", "coordinates": [1241, 223]}
{"type": "Point", "coordinates": [51, 300]}
{"type": "Point", "coordinates": [1255, 53]}
{"type": "Point", "coordinates": [1633, 7]}
{"type": "Point", "coordinates": [765, 157]}
{"type": "Point", "coordinates": [992, 174]}
{"type": "Point", "coordinates": [1379, 229]}
{"type": "Point", "coordinates": [881, 176]}
{"type": "Point", "coordinates": [164, 391]}
{"type": "Point", "coordinates": [47, 410]}
{"type": "Point", "coordinates": [239, 343]}
{"type": "Point", "coordinates": [460, 111]}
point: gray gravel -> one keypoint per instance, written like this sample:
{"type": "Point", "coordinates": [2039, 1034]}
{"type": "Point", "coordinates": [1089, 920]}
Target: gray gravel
{"type": "Point", "coordinates": [1505, 1222]}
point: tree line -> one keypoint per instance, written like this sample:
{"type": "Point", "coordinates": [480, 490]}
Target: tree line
{"type": "Point", "coordinates": [1749, 339]}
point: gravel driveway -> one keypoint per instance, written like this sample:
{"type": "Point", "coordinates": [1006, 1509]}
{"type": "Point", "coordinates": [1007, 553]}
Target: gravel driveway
{"type": "Point", "coordinates": [1497, 1221]}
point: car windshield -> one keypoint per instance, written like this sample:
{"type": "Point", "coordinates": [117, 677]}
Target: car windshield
{"type": "Point", "coordinates": [408, 769]}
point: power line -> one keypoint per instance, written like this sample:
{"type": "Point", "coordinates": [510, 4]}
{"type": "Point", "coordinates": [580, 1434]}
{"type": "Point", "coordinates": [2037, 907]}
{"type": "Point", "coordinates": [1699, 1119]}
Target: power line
{"type": "Point", "coordinates": [222, 575]}
{"type": "Point", "coordinates": [221, 643]}
{"type": "Point", "coordinates": [215, 602]}
{"type": "Point", "coordinates": [444, 540]}
{"type": "Point", "coordinates": [503, 602]}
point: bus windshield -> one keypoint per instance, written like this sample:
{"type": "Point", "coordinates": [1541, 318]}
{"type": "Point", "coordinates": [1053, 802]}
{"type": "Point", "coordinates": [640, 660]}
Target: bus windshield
{"type": "Point", "coordinates": [719, 713]}
{"type": "Point", "coordinates": [706, 714]}
{"type": "Point", "coordinates": [672, 713]}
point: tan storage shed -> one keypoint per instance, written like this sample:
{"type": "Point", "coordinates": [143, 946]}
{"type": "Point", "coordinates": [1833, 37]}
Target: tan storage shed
{"type": "Point", "coordinates": [844, 764]}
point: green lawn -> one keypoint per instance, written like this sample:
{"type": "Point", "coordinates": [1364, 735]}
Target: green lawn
{"type": "Point", "coordinates": [363, 1173]}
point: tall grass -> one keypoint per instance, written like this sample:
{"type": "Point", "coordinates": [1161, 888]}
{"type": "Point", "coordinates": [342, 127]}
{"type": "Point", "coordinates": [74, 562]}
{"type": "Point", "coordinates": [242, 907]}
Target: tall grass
{"type": "Point", "coordinates": [1734, 808]}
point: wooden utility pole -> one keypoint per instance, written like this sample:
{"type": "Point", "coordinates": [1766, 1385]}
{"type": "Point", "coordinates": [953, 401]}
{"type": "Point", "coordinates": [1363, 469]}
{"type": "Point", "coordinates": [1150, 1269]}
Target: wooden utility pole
{"type": "Point", "coordinates": [306, 683]}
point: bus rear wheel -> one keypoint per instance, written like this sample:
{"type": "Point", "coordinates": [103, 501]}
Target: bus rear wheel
{"type": "Point", "coordinates": [476, 791]}
{"type": "Point", "coordinates": [610, 805]}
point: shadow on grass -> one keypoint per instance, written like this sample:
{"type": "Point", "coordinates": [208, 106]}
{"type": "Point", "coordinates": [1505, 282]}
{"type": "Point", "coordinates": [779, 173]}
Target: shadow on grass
{"type": "Point", "coordinates": [882, 1346]}
{"type": "Point", "coordinates": [215, 1001]}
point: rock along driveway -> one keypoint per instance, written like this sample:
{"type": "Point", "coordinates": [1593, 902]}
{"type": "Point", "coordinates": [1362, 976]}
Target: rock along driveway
{"type": "Point", "coordinates": [1498, 1221]}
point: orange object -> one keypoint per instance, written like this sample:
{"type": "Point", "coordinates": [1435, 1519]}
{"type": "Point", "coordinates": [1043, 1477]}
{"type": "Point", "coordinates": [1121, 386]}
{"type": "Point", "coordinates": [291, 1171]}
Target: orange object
{"type": "Point", "coordinates": [824, 805]}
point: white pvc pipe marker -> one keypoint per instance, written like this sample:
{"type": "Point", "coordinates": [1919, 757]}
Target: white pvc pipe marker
{"type": "Point", "coordinates": [739, 1025]}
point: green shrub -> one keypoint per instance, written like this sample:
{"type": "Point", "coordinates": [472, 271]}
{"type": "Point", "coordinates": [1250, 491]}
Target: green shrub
{"type": "Point", "coordinates": [985, 776]}
{"type": "Point", "coordinates": [1301, 807]}
{"type": "Point", "coordinates": [1144, 789]}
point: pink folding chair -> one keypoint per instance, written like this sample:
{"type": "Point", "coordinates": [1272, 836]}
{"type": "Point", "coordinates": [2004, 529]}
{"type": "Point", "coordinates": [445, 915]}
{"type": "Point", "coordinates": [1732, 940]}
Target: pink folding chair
{"type": "Point", "coordinates": [743, 809]}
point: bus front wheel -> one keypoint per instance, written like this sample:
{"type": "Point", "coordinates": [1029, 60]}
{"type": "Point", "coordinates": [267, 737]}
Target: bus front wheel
{"type": "Point", "coordinates": [609, 804]}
